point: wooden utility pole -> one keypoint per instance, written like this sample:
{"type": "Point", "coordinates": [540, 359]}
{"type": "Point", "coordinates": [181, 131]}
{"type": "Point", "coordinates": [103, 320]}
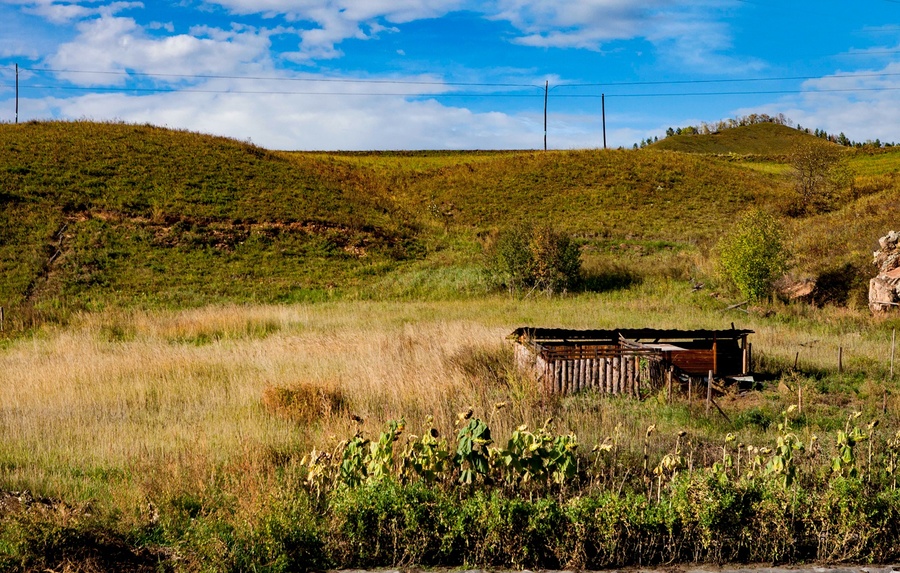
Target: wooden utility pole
{"type": "Point", "coordinates": [603, 112]}
{"type": "Point", "coordinates": [546, 96]}
{"type": "Point", "coordinates": [17, 93]}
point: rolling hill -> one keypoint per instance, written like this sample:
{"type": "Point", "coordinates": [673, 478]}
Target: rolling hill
{"type": "Point", "coordinates": [97, 214]}
{"type": "Point", "coordinates": [765, 139]}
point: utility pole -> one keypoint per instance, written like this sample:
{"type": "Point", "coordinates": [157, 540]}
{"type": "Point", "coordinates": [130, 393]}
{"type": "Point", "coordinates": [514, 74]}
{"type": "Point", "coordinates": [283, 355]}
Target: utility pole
{"type": "Point", "coordinates": [603, 111]}
{"type": "Point", "coordinates": [17, 93]}
{"type": "Point", "coordinates": [546, 93]}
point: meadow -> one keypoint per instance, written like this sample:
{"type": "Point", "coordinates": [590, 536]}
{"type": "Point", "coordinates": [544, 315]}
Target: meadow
{"type": "Point", "coordinates": [218, 383]}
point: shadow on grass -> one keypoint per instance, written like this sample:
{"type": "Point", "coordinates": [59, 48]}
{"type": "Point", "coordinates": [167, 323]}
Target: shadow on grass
{"type": "Point", "coordinates": [610, 279]}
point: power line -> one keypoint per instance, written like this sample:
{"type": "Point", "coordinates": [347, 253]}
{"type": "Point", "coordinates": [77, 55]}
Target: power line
{"type": "Point", "coordinates": [733, 80]}
{"type": "Point", "coordinates": [455, 94]}
{"type": "Point", "coordinates": [274, 92]}
{"type": "Point", "coordinates": [463, 84]}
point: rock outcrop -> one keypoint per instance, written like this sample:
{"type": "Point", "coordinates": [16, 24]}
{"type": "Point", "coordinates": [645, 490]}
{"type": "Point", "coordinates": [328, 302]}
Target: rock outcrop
{"type": "Point", "coordinates": [884, 289]}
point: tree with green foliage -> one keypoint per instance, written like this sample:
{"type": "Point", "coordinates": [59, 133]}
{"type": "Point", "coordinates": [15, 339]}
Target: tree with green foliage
{"type": "Point", "coordinates": [753, 256]}
{"type": "Point", "coordinates": [819, 174]}
{"type": "Point", "coordinates": [534, 257]}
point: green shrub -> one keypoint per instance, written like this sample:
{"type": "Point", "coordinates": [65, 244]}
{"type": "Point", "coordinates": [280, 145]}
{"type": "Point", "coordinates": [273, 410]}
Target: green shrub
{"type": "Point", "coordinates": [388, 524]}
{"type": "Point", "coordinates": [754, 255]}
{"type": "Point", "coordinates": [528, 258]}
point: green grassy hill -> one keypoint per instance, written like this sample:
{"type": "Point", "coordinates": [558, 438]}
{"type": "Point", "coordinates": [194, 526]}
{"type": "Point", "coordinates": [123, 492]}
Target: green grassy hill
{"type": "Point", "coordinates": [757, 139]}
{"type": "Point", "coordinates": [98, 214]}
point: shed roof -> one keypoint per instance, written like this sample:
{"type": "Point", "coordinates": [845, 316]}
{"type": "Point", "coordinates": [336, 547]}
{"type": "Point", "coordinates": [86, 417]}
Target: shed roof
{"type": "Point", "coordinates": [632, 334]}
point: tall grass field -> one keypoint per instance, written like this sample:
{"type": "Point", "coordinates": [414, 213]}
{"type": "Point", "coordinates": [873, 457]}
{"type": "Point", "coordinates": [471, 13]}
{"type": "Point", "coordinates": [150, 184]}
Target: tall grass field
{"type": "Point", "coordinates": [292, 361]}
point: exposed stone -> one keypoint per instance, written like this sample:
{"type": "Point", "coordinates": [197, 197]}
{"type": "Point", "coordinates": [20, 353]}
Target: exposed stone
{"type": "Point", "coordinates": [884, 289]}
{"type": "Point", "coordinates": [796, 290]}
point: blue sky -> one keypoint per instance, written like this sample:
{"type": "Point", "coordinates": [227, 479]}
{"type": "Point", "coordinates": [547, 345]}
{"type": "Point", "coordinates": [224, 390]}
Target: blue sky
{"type": "Point", "coordinates": [452, 74]}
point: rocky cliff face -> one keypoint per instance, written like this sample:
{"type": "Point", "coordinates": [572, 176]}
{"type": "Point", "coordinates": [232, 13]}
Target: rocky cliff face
{"type": "Point", "coordinates": [884, 289]}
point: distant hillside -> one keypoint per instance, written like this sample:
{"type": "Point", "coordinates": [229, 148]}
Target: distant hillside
{"type": "Point", "coordinates": [767, 139]}
{"type": "Point", "coordinates": [111, 214]}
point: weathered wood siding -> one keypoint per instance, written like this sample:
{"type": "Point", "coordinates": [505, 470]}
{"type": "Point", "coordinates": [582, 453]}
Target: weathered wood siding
{"type": "Point", "coordinates": [605, 370]}
{"type": "Point", "coordinates": [630, 362]}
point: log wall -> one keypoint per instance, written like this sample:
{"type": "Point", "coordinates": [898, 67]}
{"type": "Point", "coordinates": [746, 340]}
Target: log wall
{"type": "Point", "coordinates": [605, 370]}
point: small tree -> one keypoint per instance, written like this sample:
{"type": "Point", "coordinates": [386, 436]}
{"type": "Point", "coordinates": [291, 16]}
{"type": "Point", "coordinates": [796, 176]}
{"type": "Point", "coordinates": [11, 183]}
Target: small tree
{"type": "Point", "coordinates": [818, 175]}
{"type": "Point", "coordinates": [534, 258]}
{"type": "Point", "coordinates": [754, 256]}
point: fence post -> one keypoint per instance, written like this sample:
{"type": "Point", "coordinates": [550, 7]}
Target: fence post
{"type": "Point", "coordinates": [709, 383]}
{"type": "Point", "coordinates": [669, 383]}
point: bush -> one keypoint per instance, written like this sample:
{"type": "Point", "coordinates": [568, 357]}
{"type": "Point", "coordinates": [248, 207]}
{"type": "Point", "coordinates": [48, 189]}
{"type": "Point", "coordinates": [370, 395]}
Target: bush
{"type": "Point", "coordinates": [534, 258]}
{"type": "Point", "coordinates": [302, 402]}
{"type": "Point", "coordinates": [753, 256]}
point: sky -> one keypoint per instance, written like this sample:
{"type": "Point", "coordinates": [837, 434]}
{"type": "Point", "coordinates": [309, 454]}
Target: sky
{"type": "Point", "coordinates": [452, 74]}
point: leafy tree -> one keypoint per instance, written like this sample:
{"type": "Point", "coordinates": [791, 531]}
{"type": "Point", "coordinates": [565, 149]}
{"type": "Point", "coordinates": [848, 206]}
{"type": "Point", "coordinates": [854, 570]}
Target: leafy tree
{"type": "Point", "coordinates": [754, 255]}
{"type": "Point", "coordinates": [818, 175]}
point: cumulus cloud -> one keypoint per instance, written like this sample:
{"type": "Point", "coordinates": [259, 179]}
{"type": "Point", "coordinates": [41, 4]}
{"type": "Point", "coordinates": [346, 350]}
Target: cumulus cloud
{"type": "Point", "coordinates": [320, 120]}
{"type": "Point", "coordinates": [111, 44]}
{"type": "Point", "coordinates": [690, 31]}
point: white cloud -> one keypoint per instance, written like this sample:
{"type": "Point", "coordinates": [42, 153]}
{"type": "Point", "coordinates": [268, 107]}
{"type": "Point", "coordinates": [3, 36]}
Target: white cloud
{"type": "Point", "coordinates": [688, 32]}
{"type": "Point", "coordinates": [66, 12]}
{"type": "Point", "coordinates": [337, 20]}
{"type": "Point", "coordinates": [326, 121]}
{"type": "Point", "coordinates": [111, 44]}
{"type": "Point", "coordinates": [871, 112]}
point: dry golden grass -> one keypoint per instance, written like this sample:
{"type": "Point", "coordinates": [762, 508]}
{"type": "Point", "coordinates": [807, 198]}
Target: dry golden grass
{"type": "Point", "coordinates": [133, 404]}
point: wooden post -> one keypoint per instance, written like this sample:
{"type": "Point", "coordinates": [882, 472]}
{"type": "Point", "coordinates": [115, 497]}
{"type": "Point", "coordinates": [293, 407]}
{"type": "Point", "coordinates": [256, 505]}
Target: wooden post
{"type": "Point", "coordinates": [603, 114]}
{"type": "Point", "coordinates": [715, 352]}
{"type": "Point", "coordinates": [1, 319]}
{"type": "Point", "coordinates": [620, 374]}
{"type": "Point", "coordinates": [607, 380]}
{"type": "Point", "coordinates": [546, 95]}
{"type": "Point", "coordinates": [750, 357]}
{"type": "Point", "coordinates": [840, 359]}
{"type": "Point", "coordinates": [583, 382]}
{"type": "Point", "coordinates": [576, 374]}
{"type": "Point", "coordinates": [690, 388]}
{"type": "Point", "coordinates": [796, 359]}
{"type": "Point", "coordinates": [637, 376]}
{"type": "Point", "coordinates": [669, 384]}
{"type": "Point", "coordinates": [709, 382]}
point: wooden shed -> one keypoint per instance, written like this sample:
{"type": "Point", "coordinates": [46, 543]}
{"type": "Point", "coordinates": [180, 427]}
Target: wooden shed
{"type": "Point", "coordinates": [628, 361]}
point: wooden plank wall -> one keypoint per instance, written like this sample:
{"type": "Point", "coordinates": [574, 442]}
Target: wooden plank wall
{"type": "Point", "coordinates": [614, 373]}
